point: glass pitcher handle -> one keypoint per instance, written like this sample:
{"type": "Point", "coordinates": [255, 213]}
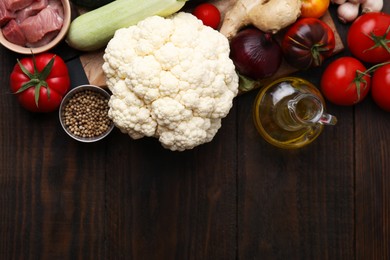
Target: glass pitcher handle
{"type": "Point", "coordinates": [327, 119]}
{"type": "Point", "coordinates": [314, 106]}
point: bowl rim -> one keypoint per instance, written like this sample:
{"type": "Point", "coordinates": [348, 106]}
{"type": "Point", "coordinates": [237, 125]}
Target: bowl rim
{"type": "Point", "coordinates": [68, 96]}
{"type": "Point", "coordinates": [61, 35]}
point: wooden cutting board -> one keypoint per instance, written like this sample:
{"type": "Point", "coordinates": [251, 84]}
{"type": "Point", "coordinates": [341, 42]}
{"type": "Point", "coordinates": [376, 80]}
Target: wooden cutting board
{"type": "Point", "coordinates": [92, 61]}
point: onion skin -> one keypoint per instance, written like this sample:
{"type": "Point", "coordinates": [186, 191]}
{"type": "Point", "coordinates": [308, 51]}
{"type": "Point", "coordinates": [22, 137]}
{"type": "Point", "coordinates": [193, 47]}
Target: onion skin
{"type": "Point", "coordinates": [255, 54]}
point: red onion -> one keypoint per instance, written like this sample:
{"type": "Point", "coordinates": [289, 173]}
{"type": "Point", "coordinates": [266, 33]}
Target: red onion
{"type": "Point", "coordinates": [255, 54]}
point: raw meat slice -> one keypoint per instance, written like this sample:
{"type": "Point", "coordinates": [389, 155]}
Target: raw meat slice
{"type": "Point", "coordinates": [5, 14]}
{"type": "Point", "coordinates": [45, 40]}
{"type": "Point", "coordinates": [15, 5]}
{"type": "Point", "coordinates": [31, 10]}
{"type": "Point", "coordinates": [13, 33]}
{"type": "Point", "coordinates": [57, 5]}
{"type": "Point", "coordinates": [35, 27]}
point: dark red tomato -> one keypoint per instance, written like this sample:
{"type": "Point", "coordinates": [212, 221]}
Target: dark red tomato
{"type": "Point", "coordinates": [40, 82]}
{"type": "Point", "coordinates": [344, 81]}
{"type": "Point", "coordinates": [209, 14]}
{"type": "Point", "coordinates": [369, 37]}
{"type": "Point", "coordinates": [307, 43]}
{"type": "Point", "coordinates": [380, 89]}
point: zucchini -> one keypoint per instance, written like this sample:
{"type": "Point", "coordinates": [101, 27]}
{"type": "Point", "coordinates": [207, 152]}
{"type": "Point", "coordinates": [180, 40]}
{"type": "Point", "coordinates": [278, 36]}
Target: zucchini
{"type": "Point", "coordinates": [93, 30]}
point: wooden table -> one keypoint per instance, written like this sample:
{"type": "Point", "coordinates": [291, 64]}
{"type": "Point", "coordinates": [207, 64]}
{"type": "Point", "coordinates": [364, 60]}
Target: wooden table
{"type": "Point", "coordinates": [234, 198]}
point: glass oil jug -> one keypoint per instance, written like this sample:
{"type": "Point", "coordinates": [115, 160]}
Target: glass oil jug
{"type": "Point", "coordinates": [290, 113]}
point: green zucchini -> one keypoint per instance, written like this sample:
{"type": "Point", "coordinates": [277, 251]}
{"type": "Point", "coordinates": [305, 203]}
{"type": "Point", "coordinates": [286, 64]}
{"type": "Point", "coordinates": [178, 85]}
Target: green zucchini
{"type": "Point", "coordinates": [93, 30]}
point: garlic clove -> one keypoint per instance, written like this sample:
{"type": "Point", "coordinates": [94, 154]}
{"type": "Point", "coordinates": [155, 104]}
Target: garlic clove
{"type": "Point", "coordinates": [348, 12]}
{"type": "Point", "coordinates": [372, 6]}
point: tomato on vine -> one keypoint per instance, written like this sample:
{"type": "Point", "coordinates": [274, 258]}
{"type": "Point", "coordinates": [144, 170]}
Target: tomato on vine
{"type": "Point", "coordinates": [40, 82]}
{"type": "Point", "coordinates": [369, 37]}
{"type": "Point", "coordinates": [380, 89]}
{"type": "Point", "coordinates": [345, 81]}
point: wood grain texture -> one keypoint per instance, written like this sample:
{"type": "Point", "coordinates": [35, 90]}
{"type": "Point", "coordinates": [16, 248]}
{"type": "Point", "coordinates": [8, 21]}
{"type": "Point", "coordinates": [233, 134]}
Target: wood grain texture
{"type": "Point", "coordinates": [236, 197]}
{"type": "Point", "coordinates": [372, 179]}
{"type": "Point", "coordinates": [372, 182]}
{"type": "Point", "coordinates": [187, 201]}
{"type": "Point", "coordinates": [52, 203]}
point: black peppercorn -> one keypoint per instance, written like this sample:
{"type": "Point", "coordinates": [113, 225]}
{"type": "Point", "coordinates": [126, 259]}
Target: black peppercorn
{"type": "Point", "coordinates": [86, 114]}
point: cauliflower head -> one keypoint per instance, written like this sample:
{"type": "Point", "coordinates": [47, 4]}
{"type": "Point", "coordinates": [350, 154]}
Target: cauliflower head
{"type": "Point", "coordinates": [170, 78]}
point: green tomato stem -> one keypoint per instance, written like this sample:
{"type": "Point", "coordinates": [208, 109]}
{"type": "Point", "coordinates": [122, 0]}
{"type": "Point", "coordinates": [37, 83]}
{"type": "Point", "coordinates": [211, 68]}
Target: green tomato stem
{"type": "Point", "coordinates": [37, 78]}
{"type": "Point", "coordinates": [380, 40]}
{"type": "Point", "coordinates": [359, 78]}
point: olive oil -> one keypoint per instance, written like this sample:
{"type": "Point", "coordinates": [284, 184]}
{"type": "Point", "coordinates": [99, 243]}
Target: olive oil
{"type": "Point", "coordinates": [289, 113]}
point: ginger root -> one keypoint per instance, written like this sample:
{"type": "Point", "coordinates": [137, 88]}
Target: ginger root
{"type": "Point", "coordinates": [266, 15]}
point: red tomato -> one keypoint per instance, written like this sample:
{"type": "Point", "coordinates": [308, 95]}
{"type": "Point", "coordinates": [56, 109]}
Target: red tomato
{"type": "Point", "coordinates": [344, 82]}
{"type": "Point", "coordinates": [314, 8]}
{"type": "Point", "coordinates": [40, 82]}
{"type": "Point", "coordinates": [380, 89]}
{"type": "Point", "coordinates": [209, 14]}
{"type": "Point", "coordinates": [369, 38]}
{"type": "Point", "coordinates": [307, 43]}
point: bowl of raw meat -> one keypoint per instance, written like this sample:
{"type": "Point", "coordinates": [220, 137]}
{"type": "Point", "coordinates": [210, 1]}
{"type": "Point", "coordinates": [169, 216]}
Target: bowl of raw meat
{"type": "Point", "coordinates": [33, 26]}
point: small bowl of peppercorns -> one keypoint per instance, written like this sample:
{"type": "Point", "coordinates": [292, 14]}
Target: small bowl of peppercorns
{"type": "Point", "coordinates": [84, 113]}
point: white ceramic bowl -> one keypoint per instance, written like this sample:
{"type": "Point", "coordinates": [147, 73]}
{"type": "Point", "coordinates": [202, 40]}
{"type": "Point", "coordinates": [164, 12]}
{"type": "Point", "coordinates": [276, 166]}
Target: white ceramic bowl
{"type": "Point", "coordinates": [60, 36]}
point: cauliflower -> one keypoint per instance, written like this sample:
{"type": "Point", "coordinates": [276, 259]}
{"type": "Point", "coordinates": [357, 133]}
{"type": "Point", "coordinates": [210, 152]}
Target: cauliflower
{"type": "Point", "coordinates": [170, 78]}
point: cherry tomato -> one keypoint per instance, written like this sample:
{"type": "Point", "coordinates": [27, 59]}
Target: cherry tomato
{"type": "Point", "coordinates": [314, 8]}
{"type": "Point", "coordinates": [344, 81]}
{"type": "Point", "coordinates": [380, 89]}
{"type": "Point", "coordinates": [307, 43]}
{"type": "Point", "coordinates": [209, 14]}
{"type": "Point", "coordinates": [369, 37]}
{"type": "Point", "coordinates": [40, 82]}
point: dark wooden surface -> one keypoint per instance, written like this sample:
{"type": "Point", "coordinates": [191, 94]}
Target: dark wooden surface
{"type": "Point", "coordinates": [234, 198]}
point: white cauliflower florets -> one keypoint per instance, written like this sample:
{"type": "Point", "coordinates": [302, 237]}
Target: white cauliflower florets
{"type": "Point", "coordinates": [170, 78]}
